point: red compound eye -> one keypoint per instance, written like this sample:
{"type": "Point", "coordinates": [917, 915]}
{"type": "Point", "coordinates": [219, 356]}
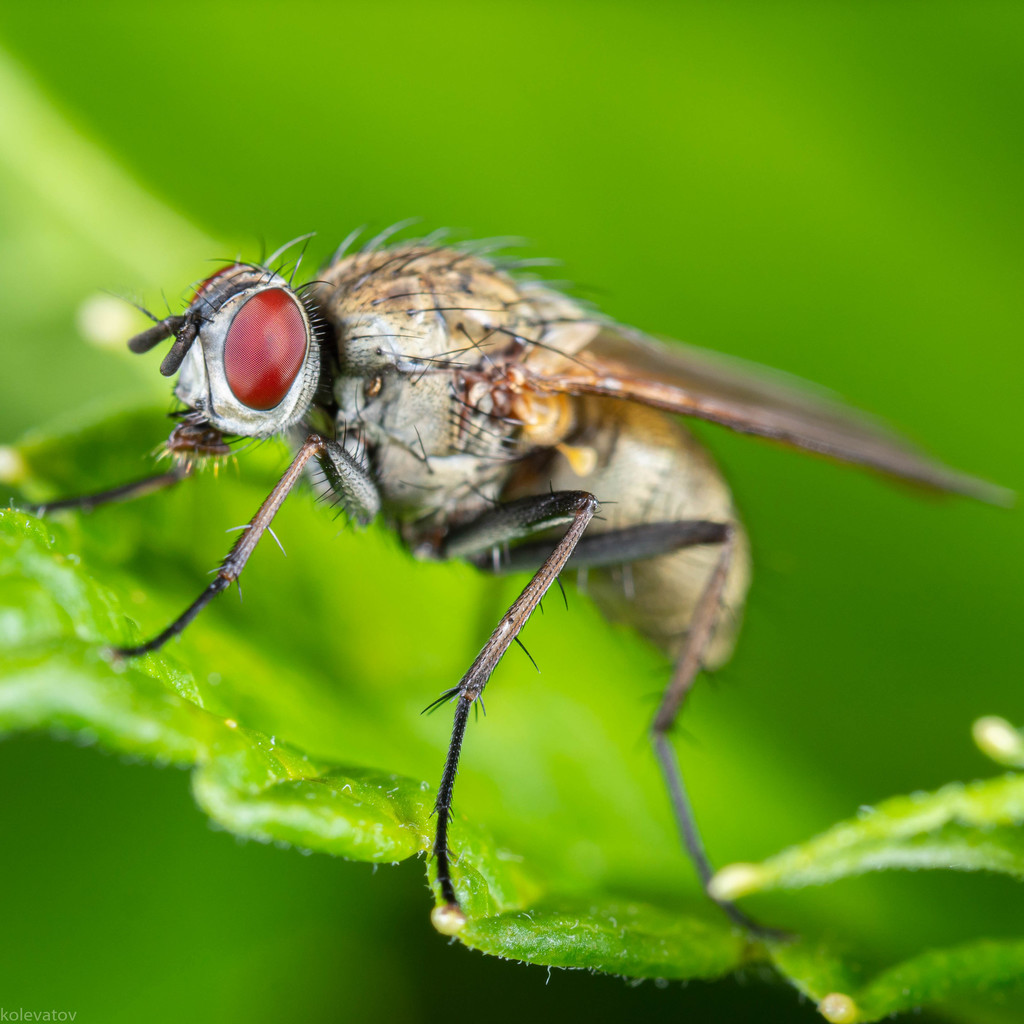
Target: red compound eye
{"type": "Point", "coordinates": [265, 348]}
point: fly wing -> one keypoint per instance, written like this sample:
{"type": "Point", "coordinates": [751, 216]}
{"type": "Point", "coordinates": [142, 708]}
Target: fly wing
{"type": "Point", "coordinates": [620, 363]}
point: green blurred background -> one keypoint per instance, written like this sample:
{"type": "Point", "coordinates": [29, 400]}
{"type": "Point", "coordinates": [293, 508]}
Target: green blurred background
{"type": "Point", "coordinates": [833, 190]}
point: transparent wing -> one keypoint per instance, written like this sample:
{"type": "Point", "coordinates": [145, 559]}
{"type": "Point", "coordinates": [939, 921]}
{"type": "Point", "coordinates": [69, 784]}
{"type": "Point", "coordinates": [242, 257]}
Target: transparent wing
{"type": "Point", "coordinates": [621, 363]}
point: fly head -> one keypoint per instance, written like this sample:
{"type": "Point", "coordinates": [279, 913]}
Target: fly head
{"type": "Point", "coordinates": [245, 351]}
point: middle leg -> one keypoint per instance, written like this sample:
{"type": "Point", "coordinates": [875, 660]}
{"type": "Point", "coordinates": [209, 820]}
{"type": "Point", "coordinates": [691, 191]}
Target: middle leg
{"type": "Point", "coordinates": [635, 543]}
{"type": "Point", "coordinates": [504, 522]}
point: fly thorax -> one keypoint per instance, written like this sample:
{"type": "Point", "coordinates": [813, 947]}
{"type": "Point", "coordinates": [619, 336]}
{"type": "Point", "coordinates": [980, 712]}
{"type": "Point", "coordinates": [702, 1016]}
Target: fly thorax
{"type": "Point", "coordinates": [373, 343]}
{"type": "Point", "coordinates": [395, 408]}
{"type": "Point", "coordinates": [408, 428]}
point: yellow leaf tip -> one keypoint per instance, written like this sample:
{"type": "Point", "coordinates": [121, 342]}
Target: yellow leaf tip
{"type": "Point", "coordinates": [735, 880]}
{"type": "Point", "coordinates": [107, 321]}
{"type": "Point", "coordinates": [12, 466]}
{"type": "Point", "coordinates": [997, 739]}
{"type": "Point", "coordinates": [838, 1008]}
{"type": "Point", "coordinates": [448, 919]}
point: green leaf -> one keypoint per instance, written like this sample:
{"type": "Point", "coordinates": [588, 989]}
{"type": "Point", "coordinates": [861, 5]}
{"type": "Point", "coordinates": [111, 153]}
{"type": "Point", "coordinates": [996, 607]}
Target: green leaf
{"type": "Point", "coordinates": [628, 939]}
{"type": "Point", "coordinates": [265, 767]}
{"type": "Point", "coordinates": [942, 976]}
{"type": "Point", "coordinates": [961, 827]}
{"type": "Point", "coordinates": [946, 977]}
{"type": "Point", "coordinates": [58, 674]}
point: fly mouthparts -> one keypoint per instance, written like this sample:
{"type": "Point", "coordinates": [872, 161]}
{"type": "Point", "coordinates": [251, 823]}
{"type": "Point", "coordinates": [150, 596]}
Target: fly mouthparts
{"type": "Point", "coordinates": [196, 438]}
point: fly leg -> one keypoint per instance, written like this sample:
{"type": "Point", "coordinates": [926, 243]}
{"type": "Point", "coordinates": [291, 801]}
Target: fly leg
{"type": "Point", "coordinates": [633, 544]}
{"type": "Point", "coordinates": [347, 477]}
{"type": "Point", "coordinates": [124, 492]}
{"type": "Point", "coordinates": [702, 628]}
{"type": "Point", "coordinates": [510, 521]}
{"type": "Point", "coordinates": [619, 547]}
{"type": "Point", "coordinates": [189, 440]}
{"type": "Point", "coordinates": [701, 631]}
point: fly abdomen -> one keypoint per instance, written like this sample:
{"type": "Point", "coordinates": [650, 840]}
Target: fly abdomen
{"type": "Point", "coordinates": [647, 468]}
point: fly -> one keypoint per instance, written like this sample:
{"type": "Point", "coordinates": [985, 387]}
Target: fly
{"type": "Point", "coordinates": [488, 418]}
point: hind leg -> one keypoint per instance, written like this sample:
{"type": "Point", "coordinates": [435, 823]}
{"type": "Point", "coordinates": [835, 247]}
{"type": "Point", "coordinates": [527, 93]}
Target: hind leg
{"type": "Point", "coordinates": [633, 544]}
{"type": "Point", "coordinates": [698, 640]}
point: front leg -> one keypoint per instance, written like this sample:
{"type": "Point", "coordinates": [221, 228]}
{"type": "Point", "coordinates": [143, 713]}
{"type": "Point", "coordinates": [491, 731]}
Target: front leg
{"type": "Point", "coordinates": [123, 492]}
{"type": "Point", "coordinates": [504, 522]}
{"type": "Point", "coordinates": [355, 488]}
{"type": "Point", "coordinates": [190, 440]}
